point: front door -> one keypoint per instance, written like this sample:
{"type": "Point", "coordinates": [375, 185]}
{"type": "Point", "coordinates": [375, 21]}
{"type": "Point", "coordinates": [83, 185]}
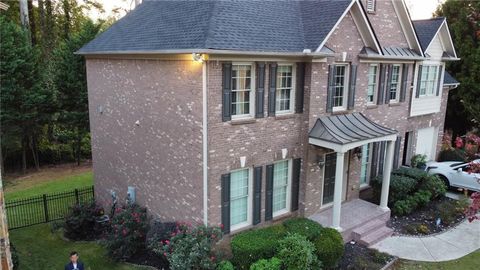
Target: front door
{"type": "Point", "coordinates": [329, 178]}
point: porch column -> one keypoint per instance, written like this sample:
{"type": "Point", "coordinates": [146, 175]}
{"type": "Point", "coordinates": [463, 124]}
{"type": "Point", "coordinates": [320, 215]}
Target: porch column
{"type": "Point", "coordinates": [337, 192]}
{"type": "Point", "coordinates": [387, 169]}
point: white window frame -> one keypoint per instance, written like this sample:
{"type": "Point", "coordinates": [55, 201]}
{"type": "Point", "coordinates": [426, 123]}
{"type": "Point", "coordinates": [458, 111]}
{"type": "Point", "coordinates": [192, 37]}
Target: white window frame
{"type": "Point", "coordinates": [292, 91]}
{"type": "Point", "coordinates": [427, 82]}
{"type": "Point", "coordinates": [399, 84]}
{"type": "Point", "coordinates": [248, 222]}
{"type": "Point", "coordinates": [251, 113]}
{"type": "Point", "coordinates": [368, 165]}
{"type": "Point", "coordinates": [374, 84]}
{"type": "Point", "coordinates": [289, 189]}
{"type": "Point", "coordinates": [346, 89]}
{"type": "Point", "coordinates": [371, 5]}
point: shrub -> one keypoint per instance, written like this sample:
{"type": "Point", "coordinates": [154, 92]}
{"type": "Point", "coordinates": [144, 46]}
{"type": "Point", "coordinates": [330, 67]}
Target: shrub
{"type": "Point", "coordinates": [127, 235]}
{"type": "Point", "coordinates": [297, 253]}
{"type": "Point", "coordinates": [190, 247]}
{"type": "Point", "coordinates": [433, 184]}
{"type": "Point", "coordinates": [160, 231]}
{"type": "Point", "coordinates": [451, 155]}
{"type": "Point", "coordinates": [303, 226]}
{"type": "Point", "coordinates": [418, 161]}
{"type": "Point", "coordinates": [423, 229]}
{"type": "Point", "coordinates": [225, 265]}
{"type": "Point", "coordinates": [80, 221]}
{"type": "Point", "coordinates": [400, 187]}
{"type": "Point", "coordinates": [263, 264]}
{"type": "Point", "coordinates": [406, 206]}
{"type": "Point", "coordinates": [414, 173]}
{"type": "Point", "coordinates": [449, 210]}
{"type": "Point", "coordinates": [15, 257]}
{"type": "Point", "coordinates": [251, 246]}
{"type": "Point", "coordinates": [329, 246]}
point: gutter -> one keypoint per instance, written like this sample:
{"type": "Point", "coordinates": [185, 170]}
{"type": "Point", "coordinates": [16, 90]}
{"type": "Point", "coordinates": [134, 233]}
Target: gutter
{"type": "Point", "coordinates": [385, 57]}
{"type": "Point", "coordinates": [205, 142]}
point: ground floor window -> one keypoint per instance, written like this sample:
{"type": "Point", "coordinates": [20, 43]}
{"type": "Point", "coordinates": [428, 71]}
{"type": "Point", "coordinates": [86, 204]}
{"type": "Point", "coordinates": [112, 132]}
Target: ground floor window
{"type": "Point", "coordinates": [239, 197]}
{"type": "Point", "coordinates": [365, 166]}
{"type": "Point", "coordinates": [281, 185]}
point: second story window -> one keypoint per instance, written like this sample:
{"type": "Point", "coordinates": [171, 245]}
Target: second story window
{"type": "Point", "coordinates": [340, 87]}
{"type": "Point", "coordinates": [394, 90]}
{"type": "Point", "coordinates": [428, 80]}
{"type": "Point", "coordinates": [242, 91]}
{"type": "Point", "coordinates": [285, 89]}
{"type": "Point", "coordinates": [372, 84]}
{"type": "Point", "coordinates": [371, 5]}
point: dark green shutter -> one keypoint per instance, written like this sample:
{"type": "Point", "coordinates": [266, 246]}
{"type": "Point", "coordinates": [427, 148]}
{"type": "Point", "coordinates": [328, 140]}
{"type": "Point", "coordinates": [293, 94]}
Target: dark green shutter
{"type": "Point", "coordinates": [227, 92]}
{"type": "Point", "coordinates": [419, 80]}
{"type": "Point", "coordinates": [269, 193]}
{"type": "Point", "coordinates": [351, 91]}
{"type": "Point", "coordinates": [299, 94]}
{"type": "Point", "coordinates": [226, 202]}
{"type": "Point", "coordinates": [381, 84]}
{"type": "Point", "coordinates": [381, 158]}
{"type": "Point", "coordinates": [331, 86]}
{"type": "Point", "coordinates": [373, 167]}
{"type": "Point", "coordinates": [439, 84]}
{"type": "Point", "coordinates": [260, 93]}
{"type": "Point", "coordinates": [296, 167]}
{"type": "Point", "coordinates": [396, 154]}
{"type": "Point", "coordinates": [272, 89]}
{"type": "Point", "coordinates": [389, 83]}
{"type": "Point", "coordinates": [403, 89]}
{"type": "Point", "coordinates": [257, 194]}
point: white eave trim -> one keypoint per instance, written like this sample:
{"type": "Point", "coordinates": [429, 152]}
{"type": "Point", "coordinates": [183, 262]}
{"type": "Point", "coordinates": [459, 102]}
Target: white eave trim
{"type": "Point", "coordinates": [410, 24]}
{"type": "Point", "coordinates": [385, 57]}
{"type": "Point", "coordinates": [346, 147]}
{"type": "Point", "coordinates": [444, 24]}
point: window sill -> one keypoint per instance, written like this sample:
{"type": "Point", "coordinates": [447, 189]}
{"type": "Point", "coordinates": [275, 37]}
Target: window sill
{"type": "Point", "coordinates": [243, 121]}
{"type": "Point", "coordinates": [364, 187]}
{"type": "Point", "coordinates": [240, 228]}
{"type": "Point", "coordinates": [394, 104]}
{"type": "Point", "coordinates": [281, 215]}
{"type": "Point", "coordinates": [372, 106]}
{"type": "Point", "coordinates": [339, 112]}
{"type": "Point", "coordinates": [284, 116]}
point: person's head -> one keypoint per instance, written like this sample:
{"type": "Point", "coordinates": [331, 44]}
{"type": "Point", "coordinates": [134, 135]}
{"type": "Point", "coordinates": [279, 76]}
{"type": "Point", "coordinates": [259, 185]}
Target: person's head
{"type": "Point", "coordinates": [73, 256]}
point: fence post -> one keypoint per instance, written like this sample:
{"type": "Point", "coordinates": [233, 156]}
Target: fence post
{"type": "Point", "coordinates": [76, 197]}
{"type": "Point", "coordinates": [93, 192]}
{"type": "Point", "coordinates": [45, 207]}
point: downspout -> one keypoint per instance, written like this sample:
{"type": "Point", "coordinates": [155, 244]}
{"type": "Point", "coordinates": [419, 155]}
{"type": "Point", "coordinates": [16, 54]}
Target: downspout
{"type": "Point", "coordinates": [205, 143]}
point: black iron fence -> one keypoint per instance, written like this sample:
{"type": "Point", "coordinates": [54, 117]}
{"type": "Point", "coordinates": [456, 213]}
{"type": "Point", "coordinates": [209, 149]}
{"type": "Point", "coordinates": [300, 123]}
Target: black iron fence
{"type": "Point", "coordinates": [45, 208]}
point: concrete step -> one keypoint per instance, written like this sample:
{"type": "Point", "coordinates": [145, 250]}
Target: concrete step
{"type": "Point", "coordinates": [366, 228]}
{"type": "Point", "coordinates": [376, 236]}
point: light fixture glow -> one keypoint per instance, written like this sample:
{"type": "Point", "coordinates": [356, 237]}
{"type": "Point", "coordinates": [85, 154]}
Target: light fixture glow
{"type": "Point", "coordinates": [197, 57]}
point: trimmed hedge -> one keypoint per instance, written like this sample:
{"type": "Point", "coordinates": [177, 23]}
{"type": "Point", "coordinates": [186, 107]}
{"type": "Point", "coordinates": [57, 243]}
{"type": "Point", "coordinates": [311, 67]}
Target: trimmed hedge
{"type": "Point", "coordinates": [297, 253]}
{"type": "Point", "coordinates": [303, 226]}
{"type": "Point", "coordinates": [263, 264]}
{"type": "Point", "coordinates": [410, 172]}
{"type": "Point", "coordinates": [251, 246]}
{"type": "Point", "coordinates": [225, 265]}
{"type": "Point", "coordinates": [400, 187]}
{"type": "Point", "coordinates": [329, 246]}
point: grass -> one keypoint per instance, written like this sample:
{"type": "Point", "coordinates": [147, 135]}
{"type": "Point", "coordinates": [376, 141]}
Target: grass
{"type": "Point", "coordinates": [39, 248]}
{"type": "Point", "coordinates": [22, 189]}
{"type": "Point", "coordinates": [469, 262]}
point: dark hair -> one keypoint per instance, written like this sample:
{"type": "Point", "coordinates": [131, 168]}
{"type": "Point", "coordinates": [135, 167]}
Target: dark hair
{"type": "Point", "coordinates": [73, 253]}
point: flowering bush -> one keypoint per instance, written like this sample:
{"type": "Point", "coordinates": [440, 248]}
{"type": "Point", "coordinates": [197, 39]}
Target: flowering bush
{"type": "Point", "coordinates": [80, 221]}
{"type": "Point", "coordinates": [190, 247]}
{"type": "Point", "coordinates": [127, 234]}
{"type": "Point", "coordinates": [472, 211]}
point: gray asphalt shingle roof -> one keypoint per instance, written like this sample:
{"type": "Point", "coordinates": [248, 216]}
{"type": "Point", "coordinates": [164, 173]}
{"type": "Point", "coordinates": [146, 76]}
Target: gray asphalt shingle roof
{"type": "Point", "coordinates": [448, 79]}
{"type": "Point", "coordinates": [248, 25]}
{"type": "Point", "coordinates": [426, 30]}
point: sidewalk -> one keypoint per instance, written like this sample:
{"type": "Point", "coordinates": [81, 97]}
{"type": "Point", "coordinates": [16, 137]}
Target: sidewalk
{"type": "Point", "coordinates": [446, 246]}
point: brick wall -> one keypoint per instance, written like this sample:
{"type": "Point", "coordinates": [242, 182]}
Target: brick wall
{"type": "Point", "coordinates": [161, 154]}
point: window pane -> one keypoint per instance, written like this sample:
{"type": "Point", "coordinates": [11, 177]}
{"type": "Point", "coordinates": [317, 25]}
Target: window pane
{"type": "Point", "coordinates": [241, 89]}
{"type": "Point", "coordinates": [280, 184]}
{"type": "Point", "coordinates": [238, 196]}
{"type": "Point", "coordinates": [372, 83]}
{"type": "Point", "coordinates": [339, 88]}
{"type": "Point", "coordinates": [394, 82]}
{"type": "Point", "coordinates": [284, 88]}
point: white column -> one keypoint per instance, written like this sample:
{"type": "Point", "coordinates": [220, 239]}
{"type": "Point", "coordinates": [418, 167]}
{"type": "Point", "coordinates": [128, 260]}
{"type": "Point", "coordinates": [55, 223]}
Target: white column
{"type": "Point", "coordinates": [337, 193]}
{"type": "Point", "coordinates": [387, 169]}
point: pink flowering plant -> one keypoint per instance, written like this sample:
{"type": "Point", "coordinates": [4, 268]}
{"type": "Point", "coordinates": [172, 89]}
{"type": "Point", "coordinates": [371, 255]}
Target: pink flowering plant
{"type": "Point", "coordinates": [127, 235]}
{"type": "Point", "coordinates": [473, 210]}
{"type": "Point", "coordinates": [190, 247]}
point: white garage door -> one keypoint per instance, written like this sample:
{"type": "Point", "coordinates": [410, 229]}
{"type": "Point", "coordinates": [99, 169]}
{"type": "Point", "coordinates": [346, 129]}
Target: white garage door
{"type": "Point", "coordinates": [427, 142]}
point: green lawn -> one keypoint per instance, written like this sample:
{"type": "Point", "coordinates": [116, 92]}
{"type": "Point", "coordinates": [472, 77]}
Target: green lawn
{"type": "Point", "coordinates": [40, 249]}
{"type": "Point", "coordinates": [65, 183]}
{"type": "Point", "coordinates": [469, 262]}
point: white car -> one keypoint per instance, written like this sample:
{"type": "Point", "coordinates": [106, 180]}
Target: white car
{"type": "Point", "coordinates": [455, 174]}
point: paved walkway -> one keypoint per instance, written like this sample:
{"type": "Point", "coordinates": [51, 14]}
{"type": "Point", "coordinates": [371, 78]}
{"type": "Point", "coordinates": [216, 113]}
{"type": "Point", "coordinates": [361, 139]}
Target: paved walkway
{"type": "Point", "coordinates": [446, 246]}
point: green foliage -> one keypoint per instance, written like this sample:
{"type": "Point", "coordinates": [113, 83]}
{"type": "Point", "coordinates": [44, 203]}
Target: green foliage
{"type": "Point", "coordinates": [264, 264]}
{"type": "Point", "coordinates": [423, 229]}
{"type": "Point", "coordinates": [411, 202]}
{"type": "Point", "coordinates": [297, 253]}
{"type": "Point", "coordinates": [190, 247]}
{"type": "Point", "coordinates": [329, 247]}
{"type": "Point", "coordinates": [250, 246]}
{"type": "Point", "coordinates": [400, 187]}
{"type": "Point", "coordinates": [418, 161]}
{"type": "Point", "coordinates": [303, 226]}
{"type": "Point", "coordinates": [80, 221]}
{"type": "Point", "coordinates": [127, 234]}
{"type": "Point", "coordinates": [225, 265]}
{"type": "Point", "coordinates": [410, 172]}
{"type": "Point", "coordinates": [433, 184]}
{"type": "Point", "coordinates": [453, 154]}
{"type": "Point", "coordinates": [15, 257]}
{"type": "Point", "coordinates": [450, 210]}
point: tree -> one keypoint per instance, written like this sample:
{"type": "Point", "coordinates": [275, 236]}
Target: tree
{"type": "Point", "coordinates": [71, 83]}
{"type": "Point", "coordinates": [463, 18]}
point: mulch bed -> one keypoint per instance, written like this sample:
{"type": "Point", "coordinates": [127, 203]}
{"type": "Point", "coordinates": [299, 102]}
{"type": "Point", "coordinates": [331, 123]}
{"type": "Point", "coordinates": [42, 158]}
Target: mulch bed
{"type": "Point", "coordinates": [360, 257]}
{"type": "Point", "coordinates": [149, 258]}
{"type": "Point", "coordinates": [423, 221]}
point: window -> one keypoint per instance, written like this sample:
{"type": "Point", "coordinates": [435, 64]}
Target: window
{"type": "Point", "coordinates": [371, 5]}
{"type": "Point", "coordinates": [428, 80]}
{"type": "Point", "coordinates": [365, 166]}
{"type": "Point", "coordinates": [239, 198]}
{"type": "Point", "coordinates": [394, 83]}
{"type": "Point", "coordinates": [372, 84]}
{"type": "Point", "coordinates": [281, 186]}
{"type": "Point", "coordinates": [242, 90]}
{"type": "Point", "coordinates": [340, 88]}
{"type": "Point", "coordinates": [285, 89]}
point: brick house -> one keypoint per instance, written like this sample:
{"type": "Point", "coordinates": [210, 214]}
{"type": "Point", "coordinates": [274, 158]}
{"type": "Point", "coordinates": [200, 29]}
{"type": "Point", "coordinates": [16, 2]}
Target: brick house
{"type": "Point", "coordinates": [247, 112]}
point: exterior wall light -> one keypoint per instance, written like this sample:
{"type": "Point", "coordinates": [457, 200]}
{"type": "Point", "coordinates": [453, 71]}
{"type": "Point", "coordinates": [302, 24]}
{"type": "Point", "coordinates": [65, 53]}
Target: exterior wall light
{"type": "Point", "coordinates": [198, 57]}
{"type": "Point", "coordinates": [320, 161]}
